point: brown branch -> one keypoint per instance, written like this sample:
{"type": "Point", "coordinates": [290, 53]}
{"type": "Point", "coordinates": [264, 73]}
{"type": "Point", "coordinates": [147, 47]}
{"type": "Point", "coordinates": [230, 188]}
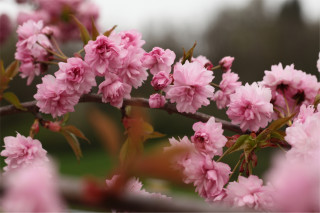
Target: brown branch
{"type": "Point", "coordinates": [140, 102]}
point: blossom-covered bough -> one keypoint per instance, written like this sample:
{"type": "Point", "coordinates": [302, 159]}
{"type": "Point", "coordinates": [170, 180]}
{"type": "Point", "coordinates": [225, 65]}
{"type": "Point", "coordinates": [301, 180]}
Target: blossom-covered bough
{"type": "Point", "coordinates": [280, 111]}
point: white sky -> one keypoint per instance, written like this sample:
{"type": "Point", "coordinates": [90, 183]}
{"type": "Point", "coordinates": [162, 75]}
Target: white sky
{"type": "Point", "coordinates": [138, 14]}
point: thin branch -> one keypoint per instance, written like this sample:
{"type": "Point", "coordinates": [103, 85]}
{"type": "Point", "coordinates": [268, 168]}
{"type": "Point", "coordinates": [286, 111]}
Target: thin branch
{"type": "Point", "coordinates": [140, 102]}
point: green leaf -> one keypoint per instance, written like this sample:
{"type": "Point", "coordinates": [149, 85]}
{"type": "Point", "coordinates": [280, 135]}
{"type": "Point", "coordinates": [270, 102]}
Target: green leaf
{"type": "Point", "coordinates": [12, 70]}
{"type": "Point", "coordinates": [95, 32]}
{"type": "Point", "coordinates": [85, 36]}
{"type": "Point", "coordinates": [238, 145]}
{"type": "Point", "coordinates": [275, 125]}
{"type": "Point", "coordinates": [74, 130]}
{"type": "Point", "coordinates": [74, 143]}
{"type": "Point", "coordinates": [189, 54]}
{"type": "Point", "coordinates": [13, 99]}
{"type": "Point", "coordinates": [108, 32]}
{"type": "Point", "coordinates": [278, 134]}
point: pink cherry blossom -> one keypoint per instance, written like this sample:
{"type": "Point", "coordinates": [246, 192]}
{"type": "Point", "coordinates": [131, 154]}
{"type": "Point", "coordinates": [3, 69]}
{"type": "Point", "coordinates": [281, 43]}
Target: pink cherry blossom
{"type": "Point", "coordinates": [226, 63]}
{"type": "Point", "coordinates": [22, 151]}
{"type": "Point", "coordinates": [104, 55]}
{"type": "Point", "coordinates": [134, 186]}
{"type": "Point", "coordinates": [295, 85]}
{"type": "Point", "coordinates": [36, 16]}
{"type": "Point", "coordinates": [156, 100]}
{"type": "Point", "coordinates": [203, 61]}
{"type": "Point", "coordinates": [296, 184]}
{"type": "Point", "coordinates": [191, 88]}
{"type": "Point", "coordinates": [207, 176]}
{"type": "Point", "coordinates": [131, 38]}
{"type": "Point", "coordinates": [228, 86]}
{"type": "Point", "coordinates": [208, 137]}
{"type": "Point", "coordinates": [132, 71]}
{"type": "Point", "coordinates": [29, 52]}
{"type": "Point", "coordinates": [52, 97]}
{"type": "Point", "coordinates": [250, 107]}
{"type": "Point", "coordinates": [183, 143]}
{"type": "Point", "coordinates": [159, 60]}
{"type": "Point", "coordinates": [114, 90]}
{"type": "Point", "coordinates": [251, 193]}
{"type": "Point", "coordinates": [32, 189]}
{"type": "Point", "coordinates": [304, 136]}
{"type": "Point", "coordinates": [76, 75]}
{"type": "Point", "coordinates": [161, 80]}
{"type": "Point", "coordinates": [304, 112]}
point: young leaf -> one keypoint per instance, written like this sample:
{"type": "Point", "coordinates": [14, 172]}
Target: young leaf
{"type": "Point", "coordinates": [85, 36]}
{"type": "Point", "coordinates": [153, 135]}
{"type": "Point", "coordinates": [13, 99]}
{"type": "Point", "coordinates": [12, 70]}
{"type": "Point", "coordinates": [189, 54]}
{"type": "Point", "coordinates": [107, 130]}
{"type": "Point", "coordinates": [95, 32]}
{"type": "Point", "coordinates": [108, 32]}
{"type": "Point", "coordinates": [74, 143]}
{"type": "Point", "coordinates": [74, 130]}
{"type": "Point", "coordinates": [2, 70]}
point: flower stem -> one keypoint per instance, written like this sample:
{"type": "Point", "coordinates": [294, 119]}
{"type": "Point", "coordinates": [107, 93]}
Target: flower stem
{"type": "Point", "coordinates": [215, 85]}
{"type": "Point", "coordinates": [215, 67]}
{"type": "Point", "coordinates": [236, 166]}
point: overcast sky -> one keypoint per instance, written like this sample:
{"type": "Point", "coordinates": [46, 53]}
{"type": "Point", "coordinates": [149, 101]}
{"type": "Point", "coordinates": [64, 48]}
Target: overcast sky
{"type": "Point", "coordinates": [137, 14]}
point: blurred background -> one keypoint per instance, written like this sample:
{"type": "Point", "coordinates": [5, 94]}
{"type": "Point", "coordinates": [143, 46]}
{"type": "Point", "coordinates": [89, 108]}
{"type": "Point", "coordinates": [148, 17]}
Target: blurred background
{"type": "Point", "coordinates": [258, 33]}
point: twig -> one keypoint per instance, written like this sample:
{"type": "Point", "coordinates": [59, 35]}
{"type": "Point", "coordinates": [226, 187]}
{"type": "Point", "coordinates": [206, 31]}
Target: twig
{"type": "Point", "coordinates": [140, 102]}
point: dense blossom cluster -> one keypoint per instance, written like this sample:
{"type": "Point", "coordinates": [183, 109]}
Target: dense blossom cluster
{"type": "Point", "coordinates": [286, 96]}
{"type": "Point", "coordinates": [57, 16]}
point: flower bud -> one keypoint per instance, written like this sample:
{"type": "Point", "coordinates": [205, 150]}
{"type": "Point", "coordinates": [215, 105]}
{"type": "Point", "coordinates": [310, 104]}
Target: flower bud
{"type": "Point", "coordinates": [156, 101]}
{"type": "Point", "coordinates": [54, 126]}
{"type": "Point", "coordinates": [226, 63]}
{"type": "Point", "coordinates": [161, 80]}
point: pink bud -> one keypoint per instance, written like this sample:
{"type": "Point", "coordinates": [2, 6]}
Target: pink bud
{"type": "Point", "coordinates": [161, 80]}
{"type": "Point", "coordinates": [54, 126]}
{"type": "Point", "coordinates": [226, 63]}
{"type": "Point", "coordinates": [156, 100]}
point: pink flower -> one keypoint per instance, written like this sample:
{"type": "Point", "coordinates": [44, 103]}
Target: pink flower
{"type": "Point", "coordinates": [114, 90]}
{"type": "Point", "coordinates": [296, 185]}
{"type": "Point", "coordinates": [203, 61]}
{"type": "Point", "coordinates": [183, 143]}
{"type": "Point", "coordinates": [250, 107]}
{"type": "Point", "coordinates": [21, 152]}
{"type": "Point", "coordinates": [208, 137]}
{"type": "Point", "coordinates": [131, 38]}
{"type": "Point", "coordinates": [132, 71]}
{"type": "Point", "coordinates": [226, 63]}
{"type": "Point", "coordinates": [304, 112]}
{"type": "Point", "coordinates": [159, 60]}
{"type": "Point", "coordinates": [191, 88]}
{"type": "Point", "coordinates": [39, 15]}
{"type": "Point", "coordinates": [296, 86]}
{"type": "Point", "coordinates": [134, 186]}
{"type": "Point", "coordinates": [249, 192]}
{"type": "Point", "coordinates": [29, 52]}
{"type": "Point", "coordinates": [228, 86]}
{"type": "Point", "coordinates": [156, 101]}
{"type": "Point", "coordinates": [207, 176]}
{"type": "Point", "coordinates": [161, 80]}
{"type": "Point", "coordinates": [52, 97]}
{"type": "Point", "coordinates": [76, 75]}
{"type": "Point", "coordinates": [104, 55]}
{"type": "Point", "coordinates": [5, 27]}
{"type": "Point", "coordinates": [32, 189]}
{"type": "Point", "coordinates": [304, 136]}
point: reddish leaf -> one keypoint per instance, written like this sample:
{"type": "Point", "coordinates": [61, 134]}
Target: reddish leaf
{"type": "Point", "coordinates": [74, 130]}
{"type": "Point", "coordinates": [74, 143]}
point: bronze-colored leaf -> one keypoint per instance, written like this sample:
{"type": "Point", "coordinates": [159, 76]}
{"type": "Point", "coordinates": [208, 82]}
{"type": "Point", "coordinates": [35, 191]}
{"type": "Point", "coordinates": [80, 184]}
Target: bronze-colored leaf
{"type": "Point", "coordinates": [74, 130]}
{"type": "Point", "coordinates": [74, 143]}
{"type": "Point", "coordinates": [189, 54]}
{"type": "Point", "coordinates": [85, 36]}
{"type": "Point", "coordinates": [12, 70]}
{"type": "Point", "coordinates": [13, 99]}
{"type": "Point", "coordinates": [95, 33]}
{"type": "Point", "coordinates": [107, 130]}
{"type": "Point", "coordinates": [108, 32]}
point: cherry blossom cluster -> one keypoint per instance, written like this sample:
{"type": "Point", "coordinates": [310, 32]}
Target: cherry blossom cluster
{"type": "Point", "coordinates": [31, 52]}
{"type": "Point", "coordinates": [57, 15]}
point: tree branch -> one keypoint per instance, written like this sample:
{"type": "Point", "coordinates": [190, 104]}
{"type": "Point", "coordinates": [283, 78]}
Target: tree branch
{"type": "Point", "coordinates": [140, 102]}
